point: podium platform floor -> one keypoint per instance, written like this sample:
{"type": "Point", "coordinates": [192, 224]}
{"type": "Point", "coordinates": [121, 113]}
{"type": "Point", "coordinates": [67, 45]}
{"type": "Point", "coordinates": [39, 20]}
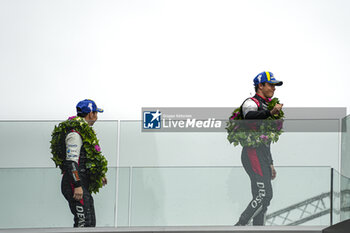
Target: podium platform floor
{"type": "Point", "coordinates": [205, 229]}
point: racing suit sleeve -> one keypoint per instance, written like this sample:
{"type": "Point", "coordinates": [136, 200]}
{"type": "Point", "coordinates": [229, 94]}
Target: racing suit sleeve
{"type": "Point", "coordinates": [250, 110]}
{"type": "Point", "coordinates": [73, 146]}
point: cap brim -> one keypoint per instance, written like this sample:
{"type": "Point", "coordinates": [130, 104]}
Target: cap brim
{"type": "Point", "coordinates": [99, 110]}
{"type": "Point", "coordinates": [276, 82]}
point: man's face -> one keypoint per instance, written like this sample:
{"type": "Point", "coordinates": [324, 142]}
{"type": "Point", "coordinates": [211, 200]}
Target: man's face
{"type": "Point", "coordinates": [267, 90]}
{"type": "Point", "coordinates": [91, 118]}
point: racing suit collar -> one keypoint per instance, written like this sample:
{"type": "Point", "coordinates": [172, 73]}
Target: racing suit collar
{"type": "Point", "coordinates": [261, 98]}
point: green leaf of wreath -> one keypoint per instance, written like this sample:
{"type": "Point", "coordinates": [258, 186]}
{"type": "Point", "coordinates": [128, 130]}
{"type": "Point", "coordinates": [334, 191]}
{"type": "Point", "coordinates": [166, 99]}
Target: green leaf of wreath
{"type": "Point", "coordinates": [268, 131]}
{"type": "Point", "coordinates": [96, 162]}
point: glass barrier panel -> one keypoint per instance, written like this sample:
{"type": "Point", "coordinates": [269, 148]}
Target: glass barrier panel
{"type": "Point", "coordinates": [31, 198]}
{"type": "Point", "coordinates": [204, 196]}
{"type": "Point", "coordinates": [140, 148]}
{"type": "Point", "coordinates": [27, 143]}
{"type": "Point", "coordinates": [169, 178]}
{"type": "Point", "coordinates": [107, 134]}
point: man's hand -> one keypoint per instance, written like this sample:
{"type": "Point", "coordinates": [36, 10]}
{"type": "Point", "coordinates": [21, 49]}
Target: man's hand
{"type": "Point", "coordinates": [104, 181]}
{"type": "Point", "coordinates": [273, 172]}
{"type": "Point", "coordinates": [276, 109]}
{"type": "Point", "coordinates": [78, 193]}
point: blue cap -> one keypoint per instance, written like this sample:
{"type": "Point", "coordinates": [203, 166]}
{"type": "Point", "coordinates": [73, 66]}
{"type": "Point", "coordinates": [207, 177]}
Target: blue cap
{"type": "Point", "coordinates": [87, 106]}
{"type": "Point", "coordinates": [268, 77]}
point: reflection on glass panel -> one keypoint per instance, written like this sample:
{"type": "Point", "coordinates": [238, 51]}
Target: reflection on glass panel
{"type": "Point", "coordinates": [194, 196]}
{"type": "Point", "coordinates": [31, 198]}
{"type": "Point", "coordinates": [336, 197]}
{"type": "Point", "coordinates": [345, 147]}
{"type": "Point", "coordinates": [345, 198]}
{"type": "Point", "coordinates": [345, 170]}
{"type": "Point", "coordinates": [301, 196]}
{"type": "Point", "coordinates": [123, 196]}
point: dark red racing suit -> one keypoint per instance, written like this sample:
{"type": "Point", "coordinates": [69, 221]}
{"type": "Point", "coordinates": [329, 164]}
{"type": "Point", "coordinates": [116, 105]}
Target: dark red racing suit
{"type": "Point", "coordinates": [76, 175]}
{"type": "Point", "coordinates": [257, 163]}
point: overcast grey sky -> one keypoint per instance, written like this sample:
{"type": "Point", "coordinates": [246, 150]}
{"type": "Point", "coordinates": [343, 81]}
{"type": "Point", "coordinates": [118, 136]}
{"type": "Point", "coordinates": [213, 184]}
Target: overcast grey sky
{"type": "Point", "coordinates": [195, 53]}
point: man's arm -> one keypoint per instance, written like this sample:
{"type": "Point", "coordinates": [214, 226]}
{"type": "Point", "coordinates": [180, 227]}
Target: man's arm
{"type": "Point", "coordinates": [250, 110]}
{"type": "Point", "coordinates": [273, 172]}
{"type": "Point", "coordinates": [73, 146]}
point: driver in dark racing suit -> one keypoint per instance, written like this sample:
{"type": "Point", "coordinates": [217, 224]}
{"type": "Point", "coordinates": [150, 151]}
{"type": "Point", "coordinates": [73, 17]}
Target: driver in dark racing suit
{"type": "Point", "coordinates": [258, 162]}
{"type": "Point", "coordinates": [75, 180]}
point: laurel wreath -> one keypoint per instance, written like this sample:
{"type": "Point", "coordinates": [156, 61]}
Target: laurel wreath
{"type": "Point", "coordinates": [96, 163]}
{"type": "Point", "coordinates": [253, 133]}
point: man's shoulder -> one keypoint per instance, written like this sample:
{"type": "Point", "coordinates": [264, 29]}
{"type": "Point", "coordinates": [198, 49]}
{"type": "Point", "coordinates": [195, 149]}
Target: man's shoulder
{"type": "Point", "coordinates": [249, 105]}
{"type": "Point", "coordinates": [73, 135]}
{"type": "Point", "coordinates": [255, 100]}
{"type": "Point", "coordinates": [251, 101]}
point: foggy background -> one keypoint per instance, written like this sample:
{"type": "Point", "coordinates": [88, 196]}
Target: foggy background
{"type": "Point", "coordinates": [131, 54]}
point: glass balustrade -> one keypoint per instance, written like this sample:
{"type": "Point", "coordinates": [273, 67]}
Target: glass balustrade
{"type": "Point", "coordinates": [173, 178]}
{"type": "Point", "coordinates": [31, 198]}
